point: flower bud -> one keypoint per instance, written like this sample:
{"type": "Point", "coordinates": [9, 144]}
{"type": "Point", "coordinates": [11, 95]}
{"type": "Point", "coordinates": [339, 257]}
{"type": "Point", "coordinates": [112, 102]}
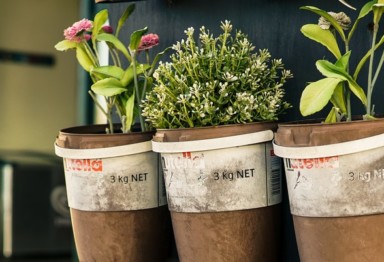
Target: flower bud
{"type": "Point", "coordinates": [107, 29]}
{"type": "Point", "coordinates": [148, 41]}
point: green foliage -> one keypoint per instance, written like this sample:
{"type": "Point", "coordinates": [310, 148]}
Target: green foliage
{"type": "Point", "coordinates": [216, 81]}
{"type": "Point", "coordinates": [339, 84]}
{"type": "Point", "coordinates": [122, 88]}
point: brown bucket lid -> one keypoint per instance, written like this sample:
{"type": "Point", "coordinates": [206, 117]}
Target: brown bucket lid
{"type": "Point", "coordinates": [315, 133]}
{"type": "Point", "coordinates": [198, 133]}
{"type": "Point", "coordinates": [94, 136]}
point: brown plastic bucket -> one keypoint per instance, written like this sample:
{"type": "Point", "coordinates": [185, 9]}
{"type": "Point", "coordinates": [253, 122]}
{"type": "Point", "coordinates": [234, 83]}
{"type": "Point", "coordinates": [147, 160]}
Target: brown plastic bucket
{"type": "Point", "coordinates": [106, 225]}
{"type": "Point", "coordinates": [212, 220]}
{"type": "Point", "coordinates": [335, 180]}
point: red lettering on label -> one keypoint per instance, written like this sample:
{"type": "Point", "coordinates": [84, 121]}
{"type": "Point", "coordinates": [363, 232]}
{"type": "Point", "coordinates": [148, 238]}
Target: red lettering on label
{"type": "Point", "coordinates": [84, 165]}
{"type": "Point", "coordinates": [322, 162]}
{"type": "Point", "coordinates": [187, 155]}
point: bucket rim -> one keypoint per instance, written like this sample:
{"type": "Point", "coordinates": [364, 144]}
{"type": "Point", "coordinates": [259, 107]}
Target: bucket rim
{"type": "Point", "coordinates": [337, 149]}
{"type": "Point", "coordinates": [106, 152]}
{"type": "Point", "coordinates": [213, 143]}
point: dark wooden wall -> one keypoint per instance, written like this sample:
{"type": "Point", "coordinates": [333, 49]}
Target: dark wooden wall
{"type": "Point", "coordinates": [271, 24]}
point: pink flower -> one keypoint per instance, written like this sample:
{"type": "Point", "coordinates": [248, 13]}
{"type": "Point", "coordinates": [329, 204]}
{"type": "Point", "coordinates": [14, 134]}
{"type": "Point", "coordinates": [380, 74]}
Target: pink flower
{"type": "Point", "coordinates": [76, 32]}
{"type": "Point", "coordinates": [148, 41]}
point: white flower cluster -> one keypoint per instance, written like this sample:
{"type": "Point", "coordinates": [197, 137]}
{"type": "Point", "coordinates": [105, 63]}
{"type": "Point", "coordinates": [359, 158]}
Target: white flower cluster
{"type": "Point", "coordinates": [218, 81]}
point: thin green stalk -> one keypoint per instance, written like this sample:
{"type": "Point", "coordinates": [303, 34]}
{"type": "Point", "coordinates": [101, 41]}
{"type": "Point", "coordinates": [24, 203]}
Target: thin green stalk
{"type": "Point", "coordinates": [370, 69]}
{"type": "Point", "coordinates": [378, 70]}
{"type": "Point", "coordinates": [137, 94]}
{"type": "Point", "coordinates": [118, 63]}
{"type": "Point", "coordinates": [108, 113]}
{"type": "Point", "coordinates": [347, 90]}
{"type": "Point", "coordinates": [144, 89]}
{"type": "Point", "coordinates": [110, 105]}
{"type": "Point", "coordinates": [349, 107]}
{"type": "Point", "coordinates": [113, 58]}
{"type": "Point", "coordinates": [91, 54]}
{"type": "Point", "coordinates": [146, 79]}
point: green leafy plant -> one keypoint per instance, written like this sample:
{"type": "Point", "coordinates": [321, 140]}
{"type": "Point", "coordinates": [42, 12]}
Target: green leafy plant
{"type": "Point", "coordinates": [216, 81]}
{"type": "Point", "coordinates": [340, 80]}
{"type": "Point", "coordinates": [122, 88]}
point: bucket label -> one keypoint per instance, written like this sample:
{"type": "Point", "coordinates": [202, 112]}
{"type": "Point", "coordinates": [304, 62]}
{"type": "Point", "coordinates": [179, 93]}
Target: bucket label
{"type": "Point", "coordinates": [346, 185]}
{"type": "Point", "coordinates": [228, 179]}
{"type": "Point", "coordinates": [130, 182]}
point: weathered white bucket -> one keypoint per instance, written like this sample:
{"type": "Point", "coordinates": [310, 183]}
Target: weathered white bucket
{"type": "Point", "coordinates": [222, 174]}
{"type": "Point", "coordinates": [119, 178]}
{"type": "Point", "coordinates": [337, 180]}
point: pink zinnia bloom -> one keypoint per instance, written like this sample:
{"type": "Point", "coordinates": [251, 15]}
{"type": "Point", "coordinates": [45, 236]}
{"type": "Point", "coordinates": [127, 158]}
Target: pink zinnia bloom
{"type": "Point", "coordinates": [77, 31]}
{"type": "Point", "coordinates": [148, 41]}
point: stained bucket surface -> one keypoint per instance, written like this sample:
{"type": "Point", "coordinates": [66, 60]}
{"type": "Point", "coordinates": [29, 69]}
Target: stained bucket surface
{"type": "Point", "coordinates": [335, 180]}
{"type": "Point", "coordinates": [223, 187]}
{"type": "Point", "coordinates": [116, 195]}
{"type": "Point", "coordinates": [114, 178]}
{"type": "Point", "coordinates": [231, 173]}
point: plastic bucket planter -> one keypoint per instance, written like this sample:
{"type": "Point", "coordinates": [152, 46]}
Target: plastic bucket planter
{"type": "Point", "coordinates": [223, 194]}
{"type": "Point", "coordinates": [335, 190]}
{"type": "Point", "coordinates": [115, 194]}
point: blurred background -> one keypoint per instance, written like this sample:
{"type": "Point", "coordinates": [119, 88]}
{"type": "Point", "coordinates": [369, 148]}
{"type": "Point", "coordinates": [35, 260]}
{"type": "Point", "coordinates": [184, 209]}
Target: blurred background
{"type": "Point", "coordinates": [40, 93]}
{"type": "Point", "coordinates": [43, 91]}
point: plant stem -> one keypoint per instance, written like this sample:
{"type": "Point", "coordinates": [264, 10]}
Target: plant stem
{"type": "Point", "coordinates": [92, 55]}
{"type": "Point", "coordinates": [137, 94]}
{"type": "Point", "coordinates": [94, 98]}
{"type": "Point", "coordinates": [370, 86]}
{"type": "Point", "coordinates": [146, 79]}
{"type": "Point", "coordinates": [108, 113]}
{"type": "Point", "coordinates": [349, 110]}
{"type": "Point", "coordinates": [378, 70]}
{"type": "Point", "coordinates": [347, 90]}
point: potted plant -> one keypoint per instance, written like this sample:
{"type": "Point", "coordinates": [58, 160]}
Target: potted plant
{"type": "Point", "coordinates": [114, 185]}
{"type": "Point", "coordinates": [334, 168]}
{"type": "Point", "coordinates": [214, 106]}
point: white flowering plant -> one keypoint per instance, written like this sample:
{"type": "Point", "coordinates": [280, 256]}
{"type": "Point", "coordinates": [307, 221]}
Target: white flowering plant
{"type": "Point", "coordinates": [216, 81]}
{"type": "Point", "coordinates": [122, 87]}
{"type": "Point", "coordinates": [340, 80]}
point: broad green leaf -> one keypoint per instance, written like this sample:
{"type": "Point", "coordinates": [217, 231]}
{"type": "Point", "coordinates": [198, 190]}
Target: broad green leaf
{"type": "Point", "coordinates": [316, 95]}
{"type": "Point", "coordinates": [128, 76]}
{"type": "Point", "coordinates": [322, 36]}
{"type": "Point", "coordinates": [338, 99]}
{"type": "Point", "coordinates": [136, 38]}
{"type": "Point", "coordinates": [108, 71]}
{"type": "Point", "coordinates": [99, 21]}
{"type": "Point", "coordinates": [84, 60]}
{"type": "Point", "coordinates": [365, 58]}
{"type": "Point", "coordinates": [129, 107]}
{"type": "Point", "coordinates": [330, 70]}
{"type": "Point", "coordinates": [343, 62]}
{"type": "Point", "coordinates": [327, 16]}
{"type": "Point", "coordinates": [128, 11]}
{"type": "Point", "coordinates": [116, 43]}
{"type": "Point", "coordinates": [365, 10]}
{"type": "Point", "coordinates": [332, 116]}
{"type": "Point", "coordinates": [108, 87]}
{"type": "Point", "coordinates": [65, 45]}
{"type": "Point", "coordinates": [377, 12]}
{"type": "Point", "coordinates": [158, 57]}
